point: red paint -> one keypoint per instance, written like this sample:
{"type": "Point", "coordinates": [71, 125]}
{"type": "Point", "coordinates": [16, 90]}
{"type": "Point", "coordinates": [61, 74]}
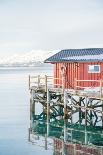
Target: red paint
{"type": "Point", "coordinates": [77, 149]}
{"type": "Point", "coordinates": [77, 71]}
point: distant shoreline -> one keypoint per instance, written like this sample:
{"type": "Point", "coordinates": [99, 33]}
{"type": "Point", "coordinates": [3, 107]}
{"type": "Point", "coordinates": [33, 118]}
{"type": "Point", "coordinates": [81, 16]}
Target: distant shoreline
{"type": "Point", "coordinates": [29, 66]}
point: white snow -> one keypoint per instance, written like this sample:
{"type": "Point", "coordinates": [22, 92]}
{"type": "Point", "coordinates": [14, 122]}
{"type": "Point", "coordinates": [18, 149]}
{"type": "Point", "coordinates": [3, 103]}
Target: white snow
{"type": "Point", "coordinates": [31, 57]}
{"type": "Point", "coordinates": [85, 57]}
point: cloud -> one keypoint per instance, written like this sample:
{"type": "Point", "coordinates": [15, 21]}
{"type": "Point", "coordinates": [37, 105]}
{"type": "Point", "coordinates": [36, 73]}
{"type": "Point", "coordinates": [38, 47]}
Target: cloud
{"type": "Point", "coordinates": [50, 24]}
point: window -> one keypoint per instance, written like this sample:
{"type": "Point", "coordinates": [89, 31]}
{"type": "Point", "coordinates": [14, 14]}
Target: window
{"type": "Point", "coordinates": [93, 68]}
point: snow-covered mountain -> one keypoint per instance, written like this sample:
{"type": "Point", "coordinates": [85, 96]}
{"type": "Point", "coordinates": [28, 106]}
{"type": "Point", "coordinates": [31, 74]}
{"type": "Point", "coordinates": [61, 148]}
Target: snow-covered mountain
{"type": "Point", "coordinates": [31, 58]}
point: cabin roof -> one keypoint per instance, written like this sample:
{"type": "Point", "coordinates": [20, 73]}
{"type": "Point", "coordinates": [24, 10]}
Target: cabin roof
{"type": "Point", "coordinates": [77, 55]}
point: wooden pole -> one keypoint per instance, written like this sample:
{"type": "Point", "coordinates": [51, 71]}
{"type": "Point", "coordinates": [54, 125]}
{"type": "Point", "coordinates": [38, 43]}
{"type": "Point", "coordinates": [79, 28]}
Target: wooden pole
{"type": "Point", "coordinates": [65, 114]}
{"type": "Point", "coordinates": [29, 132]}
{"type": "Point", "coordinates": [31, 104]}
{"type": "Point", "coordinates": [75, 83]}
{"type": "Point", "coordinates": [101, 150]}
{"type": "Point", "coordinates": [86, 135]}
{"type": "Point", "coordinates": [71, 119]}
{"type": "Point", "coordinates": [54, 147]}
{"type": "Point", "coordinates": [46, 147]}
{"type": "Point", "coordinates": [45, 83]}
{"type": "Point", "coordinates": [100, 88]}
{"type": "Point", "coordinates": [63, 83]}
{"type": "Point", "coordinates": [74, 149]}
{"type": "Point", "coordinates": [48, 111]}
{"type": "Point", "coordinates": [91, 116]}
{"type": "Point", "coordinates": [102, 114]}
{"type": "Point", "coordinates": [63, 148]}
{"type": "Point", "coordinates": [80, 111]}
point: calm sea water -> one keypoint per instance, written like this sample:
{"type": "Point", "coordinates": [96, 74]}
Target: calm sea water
{"type": "Point", "coordinates": [14, 111]}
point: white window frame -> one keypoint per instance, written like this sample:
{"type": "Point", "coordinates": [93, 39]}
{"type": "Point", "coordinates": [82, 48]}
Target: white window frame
{"type": "Point", "coordinates": [90, 71]}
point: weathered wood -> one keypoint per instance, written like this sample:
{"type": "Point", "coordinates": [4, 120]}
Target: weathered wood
{"type": "Point", "coordinates": [48, 111]}
{"type": "Point", "coordinates": [86, 135]}
{"type": "Point", "coordinates": [46, 145]}
{"type": "Point", "coordinates": [46, 83]}
{"type": "Point", "coordinates": [70, 103]}
{"type": "Point", "coordinates": [100, 88]}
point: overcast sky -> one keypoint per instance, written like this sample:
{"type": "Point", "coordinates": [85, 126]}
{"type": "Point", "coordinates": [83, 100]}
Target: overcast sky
{"type": "Point", "coordinates": [27, 25]}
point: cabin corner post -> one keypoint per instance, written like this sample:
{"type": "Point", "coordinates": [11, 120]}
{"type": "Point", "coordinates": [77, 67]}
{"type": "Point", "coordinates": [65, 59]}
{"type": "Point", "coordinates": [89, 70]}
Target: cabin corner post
{"type": "Point", "coordinates": [48, 111]}
{"type": "Point", "coordinates": [63, 83]}
{"type": "Point", "coordinates": [75, 83]}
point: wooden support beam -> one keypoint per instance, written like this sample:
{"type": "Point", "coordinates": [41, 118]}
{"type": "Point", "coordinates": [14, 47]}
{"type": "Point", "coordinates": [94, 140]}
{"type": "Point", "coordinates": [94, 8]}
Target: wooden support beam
{"type": "Point", "coordinates": [80, 113]}
{"type": "Point", "coordinates": [102, 114]}
{"type": "Point", "coordinates": [65, 115]}
{"type": "Point", "coordinates": [71, 119]}
{"type": "Point", "coordinates": [29, 134]}
{"type": "Point", "coordinates": [48, 111]}
{"type": "Point", "coordinates": [86, 134]}
{"type": "Point", "coordinates": [100, 88]}
{"type": "Point", "coordinates": [46, 83]}
{"type": "Point", "coordinates": [91, 115]}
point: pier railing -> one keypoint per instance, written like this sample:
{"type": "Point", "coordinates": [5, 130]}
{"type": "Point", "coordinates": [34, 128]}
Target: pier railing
{"type": "Point", "coordinates": [40, 81]}
{"type": "Point", "coordinates": [51, 82]}
{"type": "Point", "coordinates": [45, 81]}
{"type": "Point", "coordinates": [79, 85]}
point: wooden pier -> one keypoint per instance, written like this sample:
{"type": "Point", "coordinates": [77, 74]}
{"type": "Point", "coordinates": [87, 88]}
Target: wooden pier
{"type": "Point", "coordinates": [74, 116]}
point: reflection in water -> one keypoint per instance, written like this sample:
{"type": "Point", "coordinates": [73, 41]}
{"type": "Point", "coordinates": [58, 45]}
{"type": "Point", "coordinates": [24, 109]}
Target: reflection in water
{"type": "Point", "coordinates": [14, 112]}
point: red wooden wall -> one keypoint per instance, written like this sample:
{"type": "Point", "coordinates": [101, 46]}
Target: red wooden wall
{"type": "Point", "coordinates": [77, 71]}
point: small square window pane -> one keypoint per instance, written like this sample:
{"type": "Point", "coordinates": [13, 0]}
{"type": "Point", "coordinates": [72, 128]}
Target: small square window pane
{"type": "Point", "coordinates": [93, 68]}
{"type": "Point", "coordinates": [96, 68]}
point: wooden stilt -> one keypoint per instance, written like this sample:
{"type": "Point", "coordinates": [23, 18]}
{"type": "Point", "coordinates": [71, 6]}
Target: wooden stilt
{"type": "Point", "coordinates": [31, 106]}
{"type": "Point", "coordinates": [101, 150]}
{"type": "Point", "coordinates": [91, 121]}
{"type": "Point", "coordinates": [86, 135]}
{"type": "Point", "coordinates": [46, 147]}
{"type": "Point", "coordinates": [71, 119]}
{"type": "Point", "coordinates": [80, 111]}
{"type": "Point", "coordinates": [48, 111]}
{"type": "Point", "coordinates": [102, 114]}
{"type": "Point", "coordinates": [74, 149]}
{"type": "Point", "coordinates": [63, 148]}
{"type": "Point", "coordinates": [65, 115]}
{"type": "Point", "coordinates": [45, 83]}
{"type": "Point", "coordinates": [29, 133]}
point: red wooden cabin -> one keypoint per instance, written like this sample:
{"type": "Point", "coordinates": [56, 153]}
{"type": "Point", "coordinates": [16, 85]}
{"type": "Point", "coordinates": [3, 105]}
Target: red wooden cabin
{"type": "Point", "coordinates": [78, 64]}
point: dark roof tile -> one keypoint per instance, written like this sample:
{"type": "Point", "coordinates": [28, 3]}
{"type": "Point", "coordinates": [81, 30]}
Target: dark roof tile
{"type": "Point", "coordinates": [90, 54]}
